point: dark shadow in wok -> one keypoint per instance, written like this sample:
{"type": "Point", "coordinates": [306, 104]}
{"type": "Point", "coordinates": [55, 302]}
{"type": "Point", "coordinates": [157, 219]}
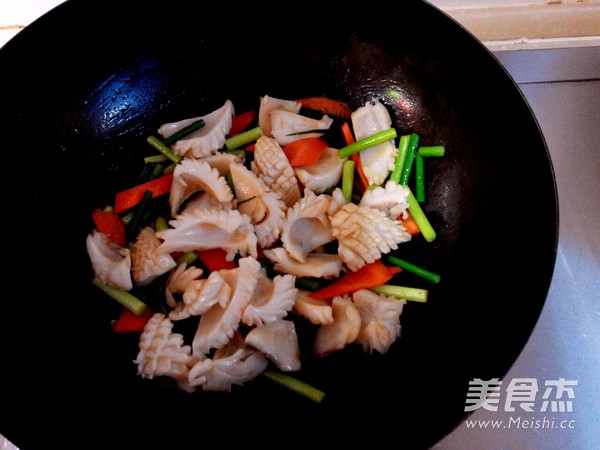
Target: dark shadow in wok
{"type": "Point", "coordinates": [85, 85]}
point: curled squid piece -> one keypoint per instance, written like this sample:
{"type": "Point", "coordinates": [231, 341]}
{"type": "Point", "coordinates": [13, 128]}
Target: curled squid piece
{"type": "Point", "coordinates": [147, 262]}
{"type": "Point", "coordinates": [365, 233]}
{"type": "Point", "coordinates": [306, 226]}
{"type": "Point", "coordinates": [195, 175]}
{"type": "Point", "coordinates": [233, 364]}
{"type": "Point", "coordinates": [391, 199]}
{"type": "Point", "coordinates": [324, 174]}
{"type": "Point", "coordinates": [268, 104]}
{"type": "Point", "coordinates": [288, 127]}
{"type": "Point", "coordinates": [205, 229]}
{"type": "Point", "coordinates": [316, 311]}
{"type": "Point", "coordinates": [111, 264]}
{"type": "Point", "coordinates": [272, 300]}
{"type": "Point", "coordinates": [317, 265]}
{"type": "Point", "coordinates": [218, 324]}
{"type": "Point", "coordinates": [162, 352]}
{"type": "Point", "coordinates": [206, 140]}
{"type": "Point", "coordinates": [377, 161]}
{"type": "Point", "coordinates": [272, 166]}
{"type": "Point", "coordinates": [380, 320]}
{"type": "Point", "coordinates": [179, 280]}
{"type": "Point", "coordinates": [279, 342]}
{"type": "Point", "coordinates": [342, 331]}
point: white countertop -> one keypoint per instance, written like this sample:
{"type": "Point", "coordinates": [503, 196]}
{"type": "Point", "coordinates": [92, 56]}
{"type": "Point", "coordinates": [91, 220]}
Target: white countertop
{"type": "Point", "coordinates": [562, 87]}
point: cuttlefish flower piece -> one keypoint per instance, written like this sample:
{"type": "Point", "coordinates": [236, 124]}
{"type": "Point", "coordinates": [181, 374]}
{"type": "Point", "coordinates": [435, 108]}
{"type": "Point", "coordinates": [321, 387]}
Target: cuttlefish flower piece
{"type": "Point", "coordinates": [205, 229]}
{"type": "Point", "coordinates": [206, 140]}
{"type": "Point", "coordinates": [391, 199]}
{"type": "Point", "coordinates": [272, 166]}
{"type": "Point", "coordinates": [279, 342]}
{"type": "Point", "coordinates": [316, 311]}
{"type": "Point", "coordinates": [342, 331]}
{"type": "Point", "coordinates": [365, 233]}
{"type": "Point", "coordinates": [317, 265]}
{"type": "Point", "coordinates": [288, 127]}
{"type": "Point", "coordinates": [272, 300]}
{"type": "Point", "coordinates": [147, 262]}
{"type": "Point", "coordinates": [196, 175]}
{"type": "Point", "coordinates": [218, 324]}
{"type": "Point", "coordinates": [380, 320]}
{"type": "Point", "coordinates": [268, 104]}
{"type": "Point", "coordinates": [111, 264]}
{"type": "Point", "coordinates": [233, 364]}
{"type": "Point", "coordinates": [178, 281]}
{"type": "Point", "coordinates": [306, 225]}
{"type": "Point", "coordinates": [324, 174]}
{"type": "Point", "coordinates": [377, 161]}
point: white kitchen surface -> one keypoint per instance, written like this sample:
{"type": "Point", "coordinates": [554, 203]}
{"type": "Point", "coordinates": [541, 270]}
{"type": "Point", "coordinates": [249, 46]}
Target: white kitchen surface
{"type": "Point", "coordinates": [562, 86]}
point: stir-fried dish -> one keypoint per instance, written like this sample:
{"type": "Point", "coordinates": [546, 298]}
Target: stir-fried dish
{"type": "Point", "coordinates": [250, 224]}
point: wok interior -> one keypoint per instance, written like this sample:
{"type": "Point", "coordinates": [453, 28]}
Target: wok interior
{"type": "Point", "coordinates": [491, 199]}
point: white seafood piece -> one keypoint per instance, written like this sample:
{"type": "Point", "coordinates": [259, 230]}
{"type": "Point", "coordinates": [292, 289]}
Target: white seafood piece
{"type": "Point", "coordinates": [344, 329]}
{"type": "Point", "coordinates": [316, 311]}
{"type": "Point", "coordinates": [336, 201]}
{"type": "Point", "coordinates": [111, 264]}
{"type": "Point", "coordinates": [201, 295]}
{"type": "Point", "coordinates": [318, 265]}
{"type": "Point", "coordinates": [218, 324]}
{"type": "Point", "coordinates": [306, 226]}
{"type": "Point", "coordinates": [234, 364]}
{"type": "Point", "coordinates": [364, 234]}
{"type": "Point", "coordinates": [272, 166]}
{"type": "Point", "coordinates": [391, 199]}
{"type": "Point", "coordinates": [147, 262]}
{"type": "Point", "coordinates": [255, 199]}
{"type": "Point", "coordinates": [288, 127]}
{"type": "Point", "coordinates": [204, 229]}
{"type": "Point", "coordinates": [377, 161]}
{"type": "Point", "coordinates": [162, 352]}
{"type": "Point", "coordinates": [272, 300]}
{"type": "Point", "coordinates": [178, 281]}
{"type": "Point", "coordinates": [268, 104]}
{"type": "Point", "coordinates": [380, 320]}
{"type": "Point", "coordinates": [222, 161]}
{"type": "Point", "coordinates": [206, 140]}
{"type": "Point", "coordinates": [279, 342]}
{"type": "Point", "coordinates": [195, 175]}
{"type": "Point", "coordinates": [324, 174]}
{"type": "Point", "coordinates": [204, 200]}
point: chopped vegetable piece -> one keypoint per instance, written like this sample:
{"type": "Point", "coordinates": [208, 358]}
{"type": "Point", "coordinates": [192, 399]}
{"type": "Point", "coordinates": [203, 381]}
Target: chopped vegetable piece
{"type": "Point", "coordinates": [433, 277]}
{"type": "Point", "coordinates": [432, 151]}
{"type": "Point", "coordinates": [347, 179]}
{"type": "Point", "coordinates": [125, 298]}
{"type": "Point", "coordinates": [129, 198]}
{"type": "Point", "coordinates": [184, 132]}
{"type": "Point", "coordinates": [239, 140]}
{"type": "Point", "coordinates": [410, 225]}
{"type": "Point", "coordinates": [419, 178]}
{"type": "Point", "coordinates": [400, 159]}
{"type": "Point", "coordinates": [215, 259]}
{"type": "Point", "coordinates": [369, 275]}
{"type": "Point", "coordinates": [300, 387]}
{"type": "Point", "coordinates": [327, 105]}
{"type": "Point", "coordinates": [241, 122]}
{"type": "Point", "coordinates": [369, 141]}
{"type": "Point", "coordinates": [347, 133]}
{"type": "Point", "coordinates": [129, 322]}
{"type": "Point", "coordinates": [110, 224]}
{"type": "Point", "coordinates": [164, 149]}
{"type": "Point", "coordinates": [413, 144]}
{"type": "Point", "coordinates": [304, 151]}
{"type": "Point", "coordinates": [187, 257]}
{"type": "Point", "coordinates": [402, 292]}
{"type": "Point", "coordinates": [420, 218]}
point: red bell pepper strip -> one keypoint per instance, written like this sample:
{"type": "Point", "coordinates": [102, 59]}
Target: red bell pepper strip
{"type": "Point", "coordinates": [327, 105]}
{"type": "Point", "coordinates": [129, 322]}
{"type": "Point", "coordinates": [242, 122]}
{"type": "Point", "coordinates": [110, 224]}
{"type": "Point", "coordinates": [305, 151]}
{"type": "Point", "coordinates": [368, 276]}
{"type": "Point", "coordinates": [129, 198]}
{"type": "Point", "coordinates": [214, 259]}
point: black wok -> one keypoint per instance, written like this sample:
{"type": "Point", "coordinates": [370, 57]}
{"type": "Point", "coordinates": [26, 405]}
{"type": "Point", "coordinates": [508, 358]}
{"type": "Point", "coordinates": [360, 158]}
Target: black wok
{"type": "Point", "coordinates": [85, 84]}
